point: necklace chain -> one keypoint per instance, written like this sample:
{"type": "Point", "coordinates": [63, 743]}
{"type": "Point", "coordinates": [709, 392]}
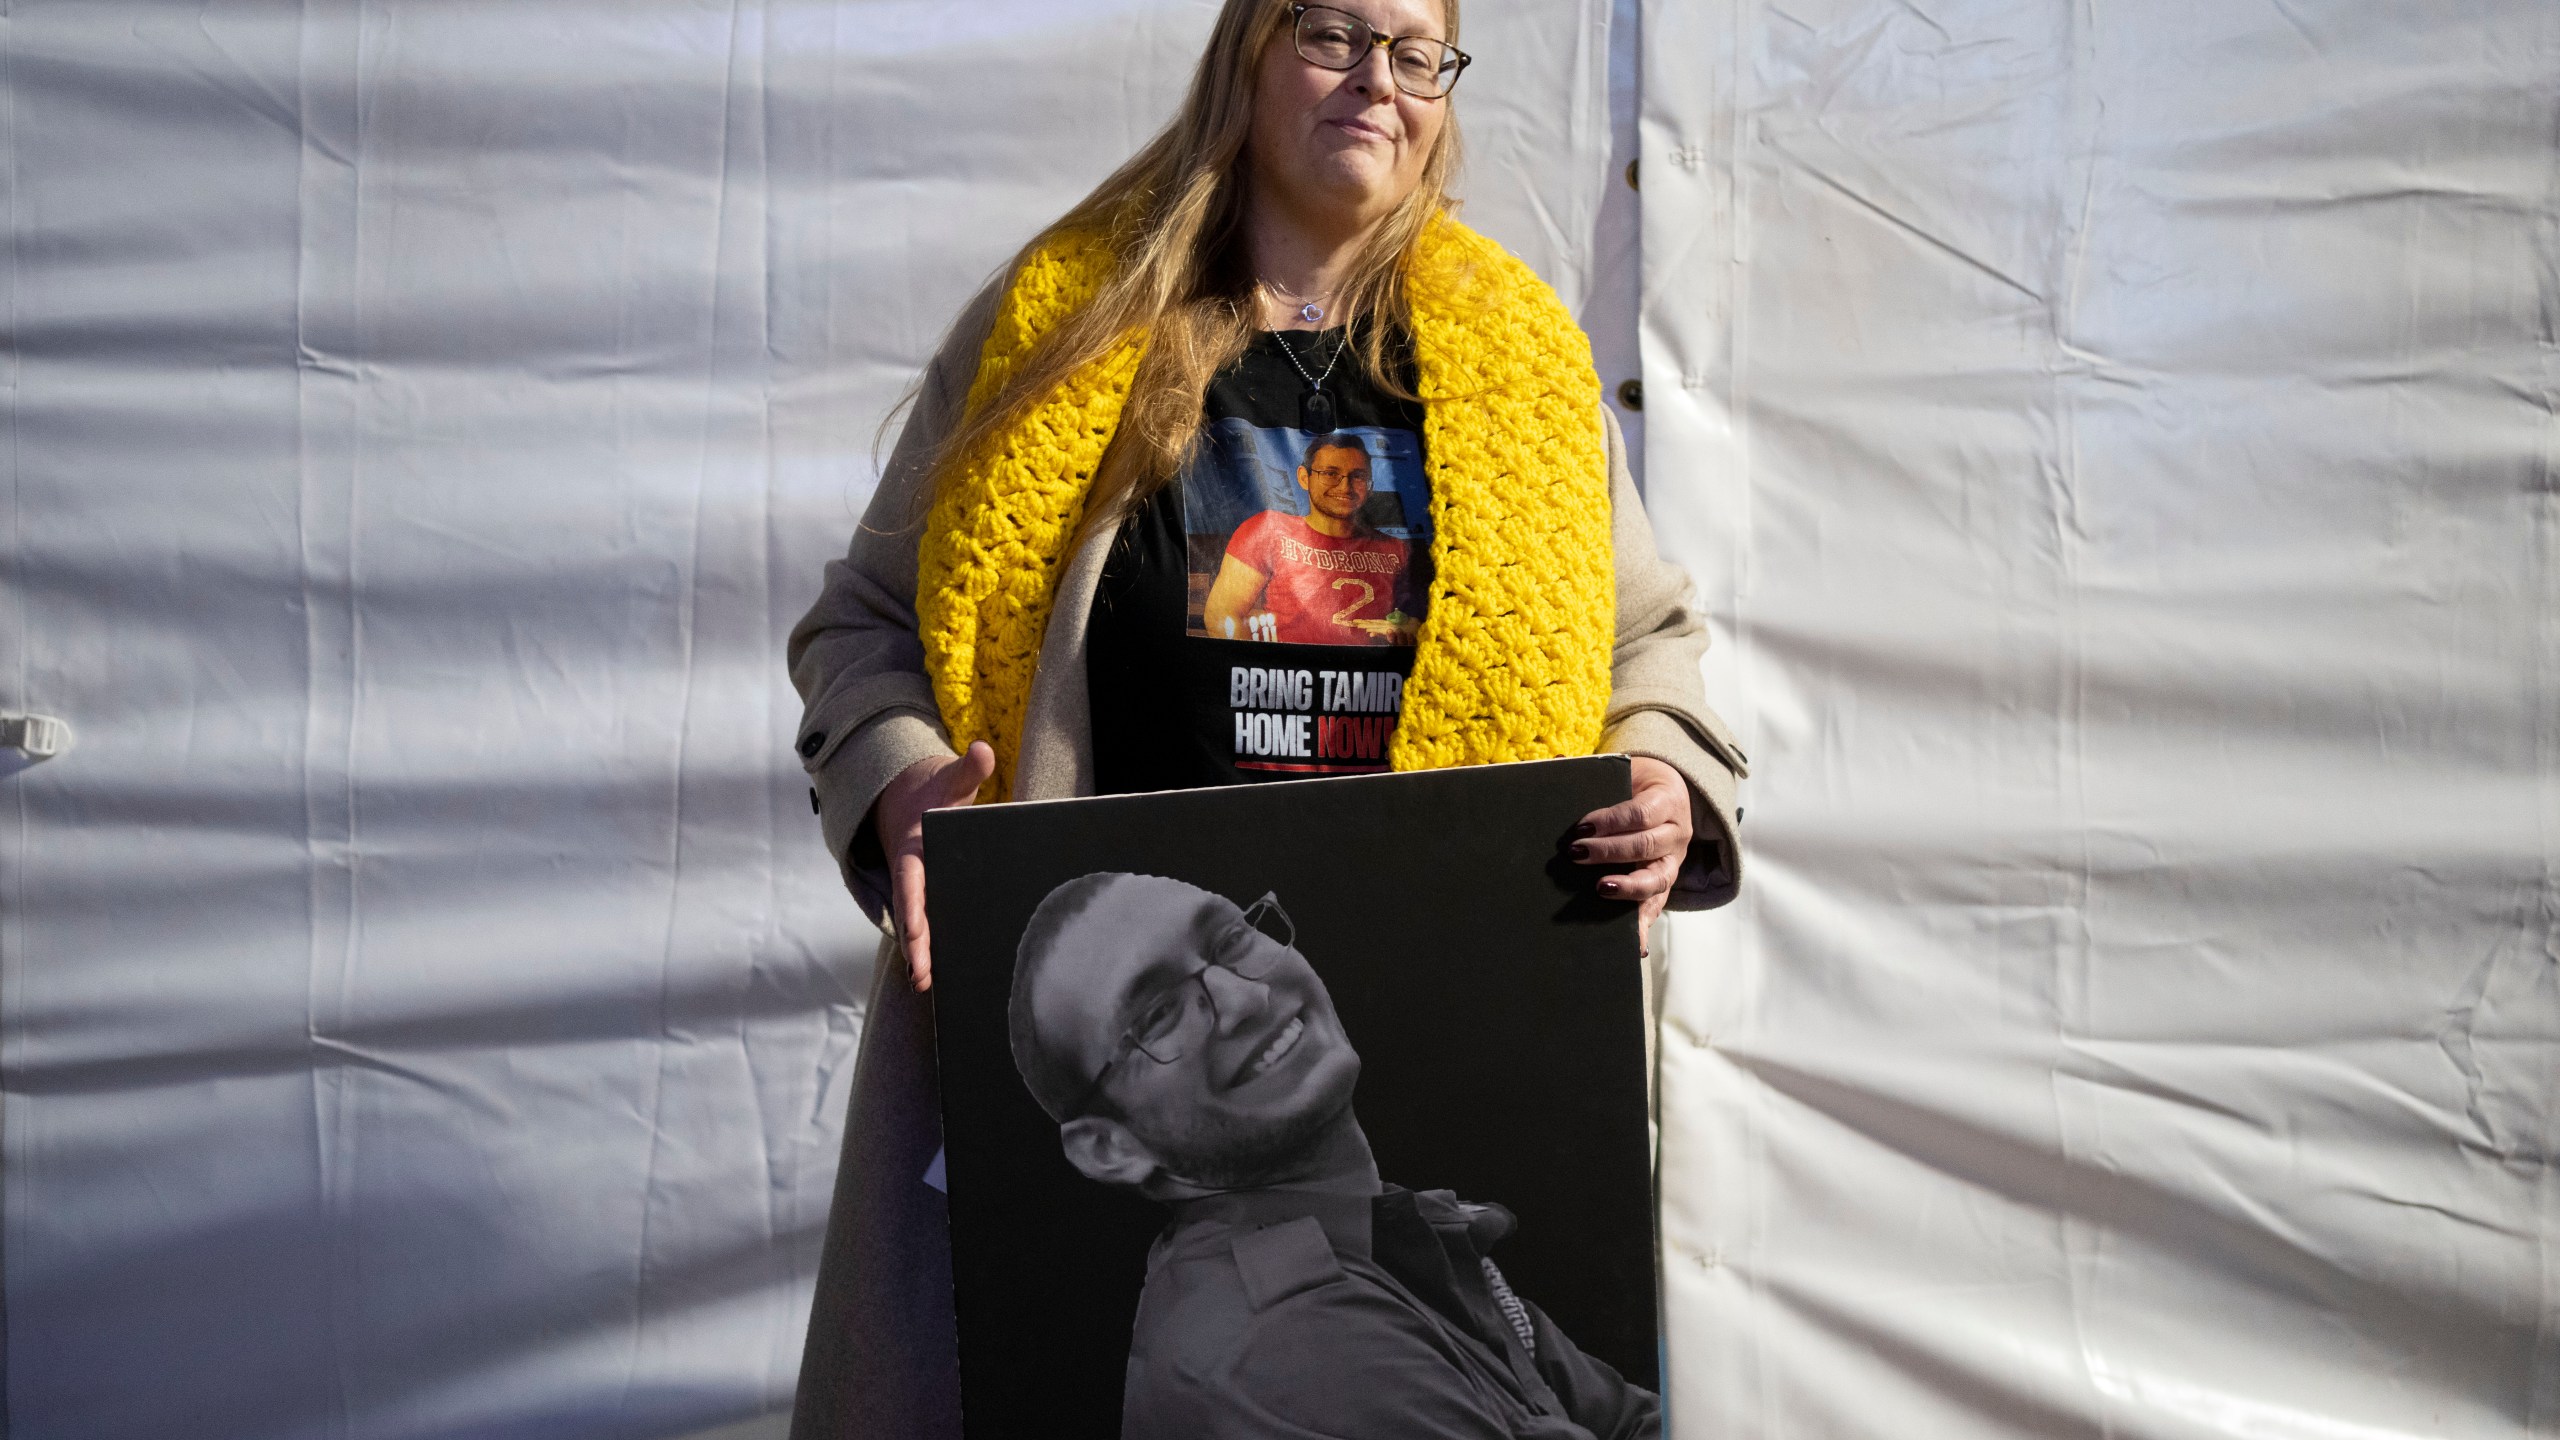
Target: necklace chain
{"type": "Point", "coordinates": [1314, 382]}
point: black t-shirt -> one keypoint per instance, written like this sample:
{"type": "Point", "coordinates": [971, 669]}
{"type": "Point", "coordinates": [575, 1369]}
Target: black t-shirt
{"type": "Point", "coordinates": [1256, 617]}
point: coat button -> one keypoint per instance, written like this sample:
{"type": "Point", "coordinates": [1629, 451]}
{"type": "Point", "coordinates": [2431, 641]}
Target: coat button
{"type": "Point", "coordinates": [811, 744]}
{"type": "Point", "coordinates": [814, 807]}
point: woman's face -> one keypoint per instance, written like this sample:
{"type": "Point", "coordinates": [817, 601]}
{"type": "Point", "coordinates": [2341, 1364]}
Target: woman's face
{"type": "Point", "coordinates": [1341, 148]}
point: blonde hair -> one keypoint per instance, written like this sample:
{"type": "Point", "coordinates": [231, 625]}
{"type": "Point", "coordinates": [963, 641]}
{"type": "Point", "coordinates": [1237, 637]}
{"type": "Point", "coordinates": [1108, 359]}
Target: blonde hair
{"type": "Point", "coordinates": [1174, 216]}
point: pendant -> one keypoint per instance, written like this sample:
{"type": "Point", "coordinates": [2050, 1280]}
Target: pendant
{"type": "Point", "coordinates": [1315, 413]}
{"type": "Point", "coordinates": [1311, 312]}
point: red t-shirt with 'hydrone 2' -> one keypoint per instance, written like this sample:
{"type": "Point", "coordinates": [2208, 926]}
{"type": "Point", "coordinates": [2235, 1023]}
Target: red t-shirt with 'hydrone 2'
{"type": "Point", "coordinates": [1318, 583]}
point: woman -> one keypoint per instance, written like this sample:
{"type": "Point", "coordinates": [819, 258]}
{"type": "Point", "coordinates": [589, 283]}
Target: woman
{"type": "Point", "coordinates": [1258, 406]}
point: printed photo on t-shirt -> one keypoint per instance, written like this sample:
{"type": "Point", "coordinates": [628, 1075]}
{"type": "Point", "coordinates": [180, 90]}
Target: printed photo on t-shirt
{"type": "Point", "coordinates": [1300, 539]}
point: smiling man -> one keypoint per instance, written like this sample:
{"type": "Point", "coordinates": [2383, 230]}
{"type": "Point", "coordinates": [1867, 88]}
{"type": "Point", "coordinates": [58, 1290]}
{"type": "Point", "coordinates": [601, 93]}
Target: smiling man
{"type": "Point", "coordinates": [1324, 578]}
{"type": "Point", "coordinates": [1189, 1052]}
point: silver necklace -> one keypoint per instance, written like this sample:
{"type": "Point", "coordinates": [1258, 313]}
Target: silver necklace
{"type": "Point", "coordinates": [1308, 310]}
{"type": "Point", "coordinates": [1315, 408]}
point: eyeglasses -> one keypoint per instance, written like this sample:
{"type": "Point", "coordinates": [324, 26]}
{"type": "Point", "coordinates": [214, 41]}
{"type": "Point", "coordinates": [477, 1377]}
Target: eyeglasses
{"type": "Point", "coordinates": [1165, 1030]}
{"type": "Point", "coordinates": [1339, 40]}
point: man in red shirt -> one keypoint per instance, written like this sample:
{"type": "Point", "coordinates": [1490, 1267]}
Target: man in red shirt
{"type": "Point", "coordinates": [1321, 579]}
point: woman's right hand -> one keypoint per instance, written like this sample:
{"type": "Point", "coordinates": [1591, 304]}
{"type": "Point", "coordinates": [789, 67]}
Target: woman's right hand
{"type": "Point", "coordinates": [934, 783]}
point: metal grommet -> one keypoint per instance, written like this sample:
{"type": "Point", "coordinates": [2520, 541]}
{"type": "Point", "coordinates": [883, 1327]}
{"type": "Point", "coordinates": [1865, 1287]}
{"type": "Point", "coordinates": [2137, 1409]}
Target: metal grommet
{"type": "Point", "coordinates": [1631, 394]}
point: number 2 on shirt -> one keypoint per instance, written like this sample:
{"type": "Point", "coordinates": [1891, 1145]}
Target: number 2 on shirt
{"type": "Point", "coordinates": [1368, 592]}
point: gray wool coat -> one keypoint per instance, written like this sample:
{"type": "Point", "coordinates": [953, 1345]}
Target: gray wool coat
{"type": "Point", "coordinates": [881, 1358]}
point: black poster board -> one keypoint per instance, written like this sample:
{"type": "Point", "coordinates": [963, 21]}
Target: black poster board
{"type": "Point", "coordinates": [1495, 1004]}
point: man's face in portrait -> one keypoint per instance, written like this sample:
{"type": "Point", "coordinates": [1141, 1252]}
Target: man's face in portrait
{"type": "Point", "coordinates": [1336, 479]}
{"type": "Point", "coordinates": [1216, 1054]}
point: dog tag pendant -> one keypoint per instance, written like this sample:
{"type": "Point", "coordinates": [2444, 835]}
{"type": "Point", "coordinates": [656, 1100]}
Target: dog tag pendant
{"type": "Point", "coordinates": [1315, 413]}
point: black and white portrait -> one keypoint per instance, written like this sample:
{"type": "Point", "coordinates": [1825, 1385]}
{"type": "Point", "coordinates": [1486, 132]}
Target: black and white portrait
{"type": "Point", "coordinates": [1314, 1109]}
{"type": "Point", "coordinates": [1189, 1053]}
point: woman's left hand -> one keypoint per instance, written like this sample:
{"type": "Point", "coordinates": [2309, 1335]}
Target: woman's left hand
{"type": "Point", "coordinates": [1650, 831]}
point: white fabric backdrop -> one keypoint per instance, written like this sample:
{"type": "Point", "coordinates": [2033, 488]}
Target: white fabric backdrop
{"type": "Point", "coordinates": [427, 1009]}
{"type": "Point", "coordinates": [2117, 443]}
{"type": "Point", "coordinates": [2120, 444]}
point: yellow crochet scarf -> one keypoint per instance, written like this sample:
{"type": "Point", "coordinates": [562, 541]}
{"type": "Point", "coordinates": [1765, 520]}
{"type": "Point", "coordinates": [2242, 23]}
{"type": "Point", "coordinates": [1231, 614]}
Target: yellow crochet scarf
{"type": "Point", "coordinates": [1512, 662]}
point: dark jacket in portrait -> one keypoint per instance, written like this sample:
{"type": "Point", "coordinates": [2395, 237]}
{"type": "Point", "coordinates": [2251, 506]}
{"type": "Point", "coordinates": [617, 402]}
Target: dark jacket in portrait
{"type": "Point", "coordinates": [1286, 1315]}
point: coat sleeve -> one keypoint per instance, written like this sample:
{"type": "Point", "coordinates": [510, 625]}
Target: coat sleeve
{"type": "Point", "coordinates": [868, 709]}
{"type": "Point", "coordinates": [1657, 703]}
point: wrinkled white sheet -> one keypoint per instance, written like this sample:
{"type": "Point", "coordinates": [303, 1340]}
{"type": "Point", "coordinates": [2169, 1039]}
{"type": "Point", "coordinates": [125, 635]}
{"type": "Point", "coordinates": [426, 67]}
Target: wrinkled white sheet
{"type": "Point", "coordinates": [2119, 445]}
{"type": "Point", "coordinates": [428, 1010]}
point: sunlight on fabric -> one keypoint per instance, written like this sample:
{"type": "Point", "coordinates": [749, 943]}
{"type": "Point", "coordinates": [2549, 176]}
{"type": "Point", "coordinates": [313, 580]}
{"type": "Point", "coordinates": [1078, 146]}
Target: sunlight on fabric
{"type": "Point", "coordinates": [2223, 1413]}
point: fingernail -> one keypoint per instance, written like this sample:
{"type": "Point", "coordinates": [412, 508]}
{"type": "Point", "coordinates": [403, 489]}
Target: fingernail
{"type": "Point", "coordinates": [1586, 828]}
{"type": "Point", "coordinates": [1581, 851]}
{"type": "Point", "coordinates": [1612, 885]}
